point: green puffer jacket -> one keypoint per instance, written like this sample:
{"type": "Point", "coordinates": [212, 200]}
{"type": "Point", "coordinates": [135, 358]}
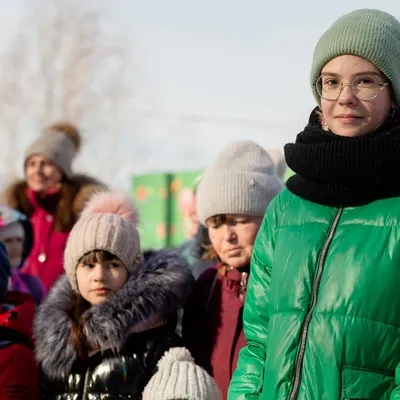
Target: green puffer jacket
{"type": "Point", "coordinates": [322, 313]}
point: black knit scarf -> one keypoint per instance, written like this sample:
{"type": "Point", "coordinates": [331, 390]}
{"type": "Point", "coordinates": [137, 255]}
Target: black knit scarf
{"type": "Point", "coordinates": [339, 171]}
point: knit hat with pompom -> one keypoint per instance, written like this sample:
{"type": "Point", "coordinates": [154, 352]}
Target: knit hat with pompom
{"type": "Point", "coordinates": [178, 377]}
{"type": "Point", "coordinates": [59, 143]}
{"type": "Point", "coordinates": [109, 223]}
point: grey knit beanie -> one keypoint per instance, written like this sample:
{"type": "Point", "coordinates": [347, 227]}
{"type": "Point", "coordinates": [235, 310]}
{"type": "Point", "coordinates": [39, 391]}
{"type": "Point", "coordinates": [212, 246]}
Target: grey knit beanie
{"type": "Point", "coordinates": [59, 143]}
{"type": "Point", "coordinates": [242, 180]}
{"type": "Point", "coordinates": [107, 223]}
{"type": "Point", "coordinates": [178, 377]}
{"type": "Point", "coordinates": [371, 34]}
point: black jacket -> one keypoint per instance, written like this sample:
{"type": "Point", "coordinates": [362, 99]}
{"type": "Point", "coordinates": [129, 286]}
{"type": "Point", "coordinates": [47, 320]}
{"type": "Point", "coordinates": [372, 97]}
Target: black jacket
{"type": "Point", "coordinates": [126, 361]}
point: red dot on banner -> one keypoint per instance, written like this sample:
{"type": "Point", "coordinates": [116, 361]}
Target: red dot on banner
{"type": "Point", "coordinates": [141, 193]}
{"type": "Point", "coordinates": [176, 185]}
{"type": "Point", "coordinates": [161, 231]}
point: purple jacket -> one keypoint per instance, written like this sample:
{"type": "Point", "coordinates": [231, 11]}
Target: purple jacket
{"type": "Point", "coordinates": [25, 283]}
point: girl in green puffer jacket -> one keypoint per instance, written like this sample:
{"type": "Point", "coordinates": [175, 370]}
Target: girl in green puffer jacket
{"type": "Point", "coordinates": [322, 312]}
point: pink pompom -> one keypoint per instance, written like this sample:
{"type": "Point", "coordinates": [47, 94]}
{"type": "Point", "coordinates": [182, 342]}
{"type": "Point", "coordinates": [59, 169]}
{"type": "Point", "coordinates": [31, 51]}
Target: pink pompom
{"type": "Point", "coordinates": [112, 203]}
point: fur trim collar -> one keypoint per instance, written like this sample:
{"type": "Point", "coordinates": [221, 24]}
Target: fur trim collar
{"type": "Point", "coordinates": [72, 201]}
{"type": "Point", "coordinates": [15, 194]}
{"type": "Point", "coordinates": [158, 290]}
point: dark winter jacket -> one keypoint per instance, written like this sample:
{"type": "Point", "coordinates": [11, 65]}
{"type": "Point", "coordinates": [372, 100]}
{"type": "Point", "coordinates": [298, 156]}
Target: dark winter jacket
{"type": "Point", "coordinates": [19, 375]}
{"type": "Point", "coordinates": [212, 323]}
{"type": "Point", "coordinates": [126, 328]}
{"type": "Point", "coordinates": [5, 270]}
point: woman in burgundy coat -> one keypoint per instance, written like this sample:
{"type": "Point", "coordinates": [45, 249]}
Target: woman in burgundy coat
{"type": "Point", "coordinates": [232, 197]}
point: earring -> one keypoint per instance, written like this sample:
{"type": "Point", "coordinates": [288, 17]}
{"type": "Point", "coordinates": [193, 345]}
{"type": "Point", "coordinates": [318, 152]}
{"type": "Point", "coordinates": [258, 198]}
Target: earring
{"type": "Point", "coordinates": [324, 124]}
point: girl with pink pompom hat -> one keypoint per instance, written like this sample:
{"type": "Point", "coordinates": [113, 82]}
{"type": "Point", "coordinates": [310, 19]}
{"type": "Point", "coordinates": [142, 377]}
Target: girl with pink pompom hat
{"type": "Point", "coordinates": [105, 324]}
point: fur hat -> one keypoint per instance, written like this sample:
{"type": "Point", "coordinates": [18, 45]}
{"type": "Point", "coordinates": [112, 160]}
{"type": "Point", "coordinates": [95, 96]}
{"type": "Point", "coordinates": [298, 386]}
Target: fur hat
{"type": "Point", "coordinates": [109, 223]}
{"type": "Point", "coordinates": [178, 377]}
{"type": "Point", "coordinates": [59, 143]}
{"type": "Point", "coordinates": [242, 180]}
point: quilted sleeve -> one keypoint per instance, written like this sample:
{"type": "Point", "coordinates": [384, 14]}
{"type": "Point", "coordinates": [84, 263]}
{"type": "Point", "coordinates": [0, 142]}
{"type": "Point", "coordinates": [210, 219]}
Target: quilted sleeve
{"type": "Point", "coordinates": [396, 391]}
{"type": "Point", "coordinates": [247, 380]}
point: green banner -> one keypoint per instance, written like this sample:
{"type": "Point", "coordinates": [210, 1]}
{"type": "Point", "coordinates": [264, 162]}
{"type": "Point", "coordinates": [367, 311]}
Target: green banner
{"type": "Point", "coordinates": [163, 200]}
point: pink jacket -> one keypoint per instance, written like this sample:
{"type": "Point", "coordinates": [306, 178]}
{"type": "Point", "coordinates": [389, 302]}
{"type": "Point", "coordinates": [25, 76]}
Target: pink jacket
{"type": "Point", "coordinates": [46, 258]}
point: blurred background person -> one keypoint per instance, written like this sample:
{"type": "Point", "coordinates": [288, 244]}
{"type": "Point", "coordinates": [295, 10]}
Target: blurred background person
{"type": "Point", "coordinates": [17, 236]}
{"type": "Point", "coordinates": [51, 196]}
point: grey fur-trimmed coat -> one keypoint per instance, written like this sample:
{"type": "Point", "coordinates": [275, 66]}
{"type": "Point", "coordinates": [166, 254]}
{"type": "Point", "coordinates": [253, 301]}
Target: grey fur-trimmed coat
{"type": "Point", "coordinates": [129, 351]}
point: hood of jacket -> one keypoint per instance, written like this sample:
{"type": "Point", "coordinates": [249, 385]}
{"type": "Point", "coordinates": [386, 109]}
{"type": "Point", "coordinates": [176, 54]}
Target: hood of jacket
{"type": "Point", "coordinates": [16, 318]}
{"type": "Point", "coordinates": [9, 215]}
{"type": "Point", "coordinates": [158, 290]}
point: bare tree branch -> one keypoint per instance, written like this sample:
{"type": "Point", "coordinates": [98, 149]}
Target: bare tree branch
{"type": "Point", "coordinates": [62, 64]}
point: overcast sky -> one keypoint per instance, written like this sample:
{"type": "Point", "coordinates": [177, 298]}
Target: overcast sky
{"type": "Point", "coordinates": [212, 71]}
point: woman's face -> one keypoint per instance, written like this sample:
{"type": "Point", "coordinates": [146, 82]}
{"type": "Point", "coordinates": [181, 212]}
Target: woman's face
{"type": "Point", "coordinates": [233, 240]}
{"type": "Point", "coordinates": [98, 281]}
{"type": "Point", "coordinates": [41, 174]}
{"type": "Point", "coordinates": [348, 115]}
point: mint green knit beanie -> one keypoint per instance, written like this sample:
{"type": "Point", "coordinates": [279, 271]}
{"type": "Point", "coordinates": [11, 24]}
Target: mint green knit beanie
{"type": "Point", "coordinates": [371, 34]}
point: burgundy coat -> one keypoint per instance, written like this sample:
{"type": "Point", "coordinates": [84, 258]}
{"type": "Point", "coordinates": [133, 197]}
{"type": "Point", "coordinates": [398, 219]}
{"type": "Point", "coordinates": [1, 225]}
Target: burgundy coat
{"type": "Point", "coordinates": [19, 374]}
{"type": "Point", "coordinates": [212, 323]}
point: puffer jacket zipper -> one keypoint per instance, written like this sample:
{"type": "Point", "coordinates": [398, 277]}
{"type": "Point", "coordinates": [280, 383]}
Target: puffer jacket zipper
{"type": "Point", "coordinates": [85, 395]}
{"type": "Point", "coordinates": [314, 300]}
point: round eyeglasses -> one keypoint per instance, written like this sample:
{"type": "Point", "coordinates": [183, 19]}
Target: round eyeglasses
{"type": "Point", "coordinates": [365, 87]}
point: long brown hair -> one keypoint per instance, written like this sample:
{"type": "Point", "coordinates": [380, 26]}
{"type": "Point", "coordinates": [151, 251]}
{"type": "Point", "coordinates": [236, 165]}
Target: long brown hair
{"type": "Point", "coordinates": [78, 322]}
{"type": "Point", "coordinates": [78, 316]}
{"type": "Point", "coordinates": [65, 217]}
